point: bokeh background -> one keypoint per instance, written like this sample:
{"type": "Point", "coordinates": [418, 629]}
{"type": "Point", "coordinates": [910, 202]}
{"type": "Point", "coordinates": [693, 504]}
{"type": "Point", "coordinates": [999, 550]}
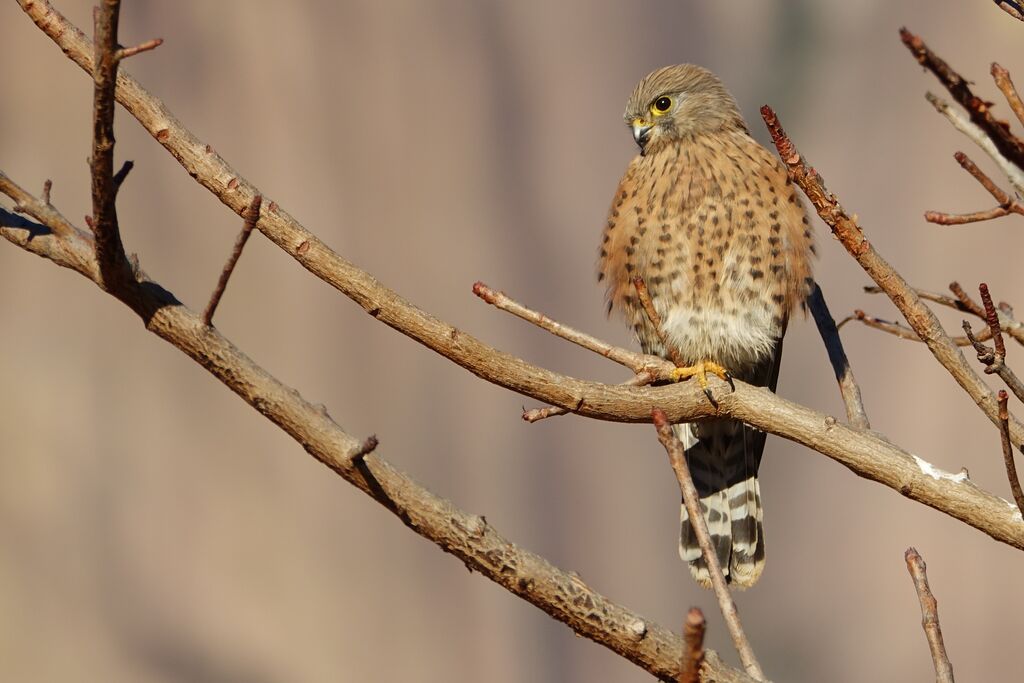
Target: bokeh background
{"type": "Point", "coordinates": [155, 528]}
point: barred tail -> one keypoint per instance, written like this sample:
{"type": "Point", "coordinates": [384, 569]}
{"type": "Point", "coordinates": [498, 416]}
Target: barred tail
{"type": "Point", "coordinates": [723, 456]}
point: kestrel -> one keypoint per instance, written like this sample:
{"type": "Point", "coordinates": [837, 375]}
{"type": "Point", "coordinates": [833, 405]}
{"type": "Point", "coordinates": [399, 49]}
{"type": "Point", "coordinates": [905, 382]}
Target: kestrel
{"type": "Point", "coordinates": [711, 222]}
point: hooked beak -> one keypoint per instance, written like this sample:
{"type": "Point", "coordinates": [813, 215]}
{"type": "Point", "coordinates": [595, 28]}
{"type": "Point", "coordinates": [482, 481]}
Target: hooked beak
{"type": "Point", "coordinates": [641, 133]}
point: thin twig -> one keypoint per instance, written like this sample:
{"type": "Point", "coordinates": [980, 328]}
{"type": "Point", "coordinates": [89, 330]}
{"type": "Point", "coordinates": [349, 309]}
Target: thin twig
{"type": "Point", "coordinates": [978, 136]}
{"type": "Point", "coordinates": [992, 318]}
{"type": "Point", "coordinates": [994, 359]}
{"type": "Point", "coordinates": [965, 300]}
{"type": "Point", "coordinates": [119, 177]}
{"type": "Point", "coordinates": [1005, 84]}
{"type": "Point", "coordinates": [47, 187]}
{"type": "Point", "coordinates": [637, 362]}
{"type": "Point", "coordinates": [676, 455]}
{"type": "Point", "coordinates": [919, 316]}
{"type": "Point", "coordinates": [902, 331]}
{"type": "Point", "coordinates": [980, 110]}
{"type": "Point", "coordinates": [1007, 205]}
{"type": "Point", "coordinates": [693, 646]}
{"type": "Point", "coordinates": [943, 299]}
{"type": "Point", "coordinates": [941, 218]}
{"type": "Point", "coordinates": [848, 387]}
{"type": "Point", "coordinates": [652, 314]}
{"type": "Point", "coordinates": [929, 616]}
{"type": "Point", "coordinates": [251, 219]}
{"type": "Point", "coordinates": [1004, 437]}
{"type": "Point", "coordinates": [126, 52]}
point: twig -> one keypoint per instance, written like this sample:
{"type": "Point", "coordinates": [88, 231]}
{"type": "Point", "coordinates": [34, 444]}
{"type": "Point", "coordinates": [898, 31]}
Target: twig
{"type": "Point", "coordinates": [920, 318]}
{"type": "Point", "coordinates": [1011, 7]}
{"type": "Point", "coordinates": [252, 217]}
{"type": "Point", "coordinates": [1007, 205]}
{"type": "Point", "coordinates": [994, 359]}
{"type": "Point", "coordinates": [656, 322]}
{"type": "Point", "coordinates": [115, 271]}
{"type": "Point", "coordinates": [1005, 84]}
{"type": "Point", "coordinates": [47, 187]}
{"type": "Point", "coordinates": [693, 646]}
{"type": "Point", "coordinates": [978, 136]}
{"type": "Point", "coordinates": [980, 110]}
{"type": "Point", "coordinates": [637, 362]}
{"type": "Point", "coordinates": [126, 52]}
{"type": "Point", "coordinates": [691, 499]}
{"type": "Point", "coordinates": [902, 331]}
{"type": "Point", "coordinates": [966, 301]}
{"type": "Point", "coordinates": [941, 218]}
{"type": "Point", "coordinates": [848, 387]}
{"type": "Point", "coordinates": [929, 616]}
{"type": "Point", "coordinates": [943, 299]}
{"type": "Point", "coordinates": [1004, 437]}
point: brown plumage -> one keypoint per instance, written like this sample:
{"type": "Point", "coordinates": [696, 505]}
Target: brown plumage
{"type": "Point", "coordinates": [709, 219]}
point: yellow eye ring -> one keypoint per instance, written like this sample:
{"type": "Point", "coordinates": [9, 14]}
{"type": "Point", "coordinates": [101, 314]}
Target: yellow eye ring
{"type": "Point", "coordinates": [661, 106]}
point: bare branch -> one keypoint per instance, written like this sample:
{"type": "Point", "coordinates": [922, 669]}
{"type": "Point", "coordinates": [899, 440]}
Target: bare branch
{"type": "Point", "coordinates": [115, 270]}
{"type": "Point", "coordinates": [978, 136]}
{"type": "Point", "coordinates": [921, 318]}
{"type": "Point", "coordinates": [929, 616]}
{"type": "Point", "coordinates": [1005, 84]}
{"type": "Point", "coordinates": [469, 537]}
{"type": "Point", "coordinates": [693, 646]}
{"type": "Point", "coordinates": [676, 456]}
{"type": "Point", "coordinates": [940, 218]}
{"type": "Point", "coordinates": [126, 52]}
{"type": "Point", "coordinates": [902, 331]}
{"type": "Point", "coordinates": [252, 217]}
{"type": "Point", "coordinates": [1004, 437]}
{"type": "Point", "coordinates": [637, 362]}
{"type": "Point", "coordinates": [980, 110]}
{"type": "Point", "coordinates": [966, 301]}
{"type": "Point", "coordinates": [656, 322]}
{"type": "Point", "coordinates": [848, 387]}
{"type": "Point", "coordinates": [992, 318]}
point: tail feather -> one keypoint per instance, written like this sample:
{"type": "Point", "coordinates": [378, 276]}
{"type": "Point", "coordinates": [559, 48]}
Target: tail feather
{"type": "Point", "coordinates": [725, 476]}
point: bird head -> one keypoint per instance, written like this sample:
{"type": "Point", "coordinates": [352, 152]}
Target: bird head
{"type": "Point", "coordinates": [674, 102]}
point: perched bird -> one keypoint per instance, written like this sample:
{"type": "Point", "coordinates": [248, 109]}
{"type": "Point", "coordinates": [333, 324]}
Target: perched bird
{"type": "Point", "coordinates": [709, 219]}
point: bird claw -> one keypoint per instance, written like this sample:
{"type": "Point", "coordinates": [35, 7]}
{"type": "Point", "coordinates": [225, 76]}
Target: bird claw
{"type": "Point", "coordinates": [700, 371]}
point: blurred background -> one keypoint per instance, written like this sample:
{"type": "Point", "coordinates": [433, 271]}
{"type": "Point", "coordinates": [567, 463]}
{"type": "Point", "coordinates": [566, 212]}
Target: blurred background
{"type": "Point", "coordinates": [155, 528]}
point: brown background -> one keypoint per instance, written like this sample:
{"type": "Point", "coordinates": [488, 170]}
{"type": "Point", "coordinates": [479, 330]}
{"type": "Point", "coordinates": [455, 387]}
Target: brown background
{"type": "Point", "coordinates": [154, 528]}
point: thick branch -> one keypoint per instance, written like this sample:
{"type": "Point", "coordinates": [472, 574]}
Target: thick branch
{"type": "Point", "coordinates": [468, 537]}
{"type": "Point", "coordinates": [919, 316]}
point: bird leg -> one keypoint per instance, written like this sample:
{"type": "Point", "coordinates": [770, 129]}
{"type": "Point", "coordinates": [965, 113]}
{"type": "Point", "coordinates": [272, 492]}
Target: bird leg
{"type": "Point", "coordinates": [700, 371]}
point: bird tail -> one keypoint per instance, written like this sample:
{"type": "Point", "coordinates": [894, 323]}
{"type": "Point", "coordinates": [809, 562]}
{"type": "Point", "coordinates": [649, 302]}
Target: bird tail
{"type": "Point", "coordinates": [723, 457]}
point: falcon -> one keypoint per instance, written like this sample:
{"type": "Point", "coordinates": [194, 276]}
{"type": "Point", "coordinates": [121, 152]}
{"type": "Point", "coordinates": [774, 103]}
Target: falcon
{"type": "Point", "coordinates": [710, 221]}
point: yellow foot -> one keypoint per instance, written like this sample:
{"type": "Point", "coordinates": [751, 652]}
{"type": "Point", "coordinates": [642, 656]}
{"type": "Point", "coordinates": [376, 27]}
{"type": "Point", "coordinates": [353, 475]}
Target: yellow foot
{"type": "Point", "coordinates": [700, 371]}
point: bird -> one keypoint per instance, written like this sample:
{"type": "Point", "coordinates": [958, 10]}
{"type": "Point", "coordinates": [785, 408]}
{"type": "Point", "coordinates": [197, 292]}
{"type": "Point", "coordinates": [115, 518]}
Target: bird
{"type": "Point", "coordinates": [711, 223]}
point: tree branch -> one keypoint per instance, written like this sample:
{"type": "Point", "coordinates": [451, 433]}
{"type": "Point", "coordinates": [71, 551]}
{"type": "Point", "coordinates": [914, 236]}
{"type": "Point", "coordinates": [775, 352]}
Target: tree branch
{"type": "Point", "coordinates": [468, 537]}
{"type": "Point", "coordinates": [691, 499]}
{"type": "Point", "coordinates": [1004, 437]}
{"type": "Point", "coordinates": [980, 110]}
{"type": "Point", "coordinates": [251, 218]}
{"type": "Point", "coordinates": [918, 315]}
{"type": "Point", "coordinates": [929, 616]}
{"type": "Point", "coordinates": [693, 646]}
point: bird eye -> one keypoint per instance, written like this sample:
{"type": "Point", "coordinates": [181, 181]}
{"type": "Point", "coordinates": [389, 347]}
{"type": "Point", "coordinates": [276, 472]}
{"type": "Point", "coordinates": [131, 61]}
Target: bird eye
{"type": "Point", "coordinates": [661, 105]}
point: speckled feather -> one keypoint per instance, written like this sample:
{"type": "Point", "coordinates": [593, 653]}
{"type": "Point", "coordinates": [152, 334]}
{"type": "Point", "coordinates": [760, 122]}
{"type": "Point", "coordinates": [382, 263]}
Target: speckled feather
{"type": "Point", "coordinates": [709, 219]}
